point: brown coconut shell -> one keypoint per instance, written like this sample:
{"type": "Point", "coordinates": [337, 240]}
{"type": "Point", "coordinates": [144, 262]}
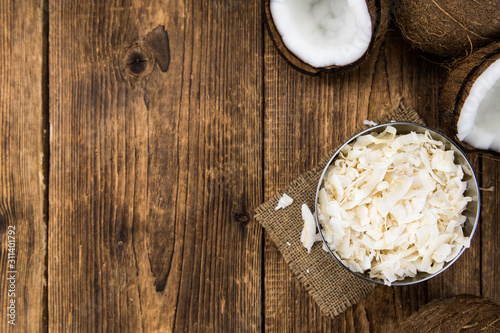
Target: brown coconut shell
{"type": "Point", "coordinates": [447, 28]}
{"type": "Point", "coordinates": [379, 13]}
{"type": "Point", "coordinates": [464, 313]}
{"type": "Point", "coordinates": [458, 85]}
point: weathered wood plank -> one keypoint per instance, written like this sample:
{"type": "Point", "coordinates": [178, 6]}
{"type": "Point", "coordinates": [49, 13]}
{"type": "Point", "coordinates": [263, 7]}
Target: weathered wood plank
{"type": "Point", "coordinates": [156, 156]}
{"type": "Point", "coordinates": [22, 167]}
{"type": "Point", "coordinates": [306, 117]}
{"type": "Point", "coordinates": [490, 227]}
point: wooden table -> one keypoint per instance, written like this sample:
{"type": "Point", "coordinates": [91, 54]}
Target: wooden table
{"type": "Point", "coordinates": [136, 141]}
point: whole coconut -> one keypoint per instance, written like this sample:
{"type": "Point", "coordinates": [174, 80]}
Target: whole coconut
{"type": "Point", "coordinates": [464, 313]}
{"type": "Point", "coordinates": [447, 28]}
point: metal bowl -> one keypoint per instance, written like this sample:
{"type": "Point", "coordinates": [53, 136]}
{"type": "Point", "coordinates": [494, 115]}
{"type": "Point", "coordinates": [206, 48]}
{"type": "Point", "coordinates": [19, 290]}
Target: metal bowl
{"type": "Point", "coordinates": [471, 211]}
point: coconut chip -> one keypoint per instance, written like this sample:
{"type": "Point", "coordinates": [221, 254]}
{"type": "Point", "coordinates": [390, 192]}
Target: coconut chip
{"type": "Point", "coordinates": [309, 235]}
{"type": "Point", "coordinates": [284, 202]}
{"type": "Point", "coordinates": [369, 123]}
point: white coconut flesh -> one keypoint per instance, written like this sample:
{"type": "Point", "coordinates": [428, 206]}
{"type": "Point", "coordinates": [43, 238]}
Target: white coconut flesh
{"type": "Point", "coordinates": [323, 32]}
{"type": "Point", "coordinates": [479, 121]}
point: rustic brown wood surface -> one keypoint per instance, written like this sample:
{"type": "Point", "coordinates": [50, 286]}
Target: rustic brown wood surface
{"type": "Point", "coordinates": [156, 155]}
{"type": "Point", "coordinates": [23, 166]}
{"type": "Point", "coordinates": [168, 123]}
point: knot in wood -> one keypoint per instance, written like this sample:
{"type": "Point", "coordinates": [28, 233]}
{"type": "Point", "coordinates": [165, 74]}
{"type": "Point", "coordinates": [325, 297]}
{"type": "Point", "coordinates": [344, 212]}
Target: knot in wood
{"type": "Point", "coordinates": [3, 224]}
{"type": "Point", "coordinates": [138, 60]}
{"type": "Point", "coordinates": [241, 218]}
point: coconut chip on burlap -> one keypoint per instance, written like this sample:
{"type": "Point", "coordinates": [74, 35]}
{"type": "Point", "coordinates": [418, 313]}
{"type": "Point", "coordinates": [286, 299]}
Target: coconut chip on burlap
{"type": "Point", "coordinates": [330, 285]}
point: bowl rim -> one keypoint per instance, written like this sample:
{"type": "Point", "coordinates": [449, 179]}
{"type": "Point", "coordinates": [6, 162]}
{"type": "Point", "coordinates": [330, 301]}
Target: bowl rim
{"type": "Point", "coordinates": [369, 130]}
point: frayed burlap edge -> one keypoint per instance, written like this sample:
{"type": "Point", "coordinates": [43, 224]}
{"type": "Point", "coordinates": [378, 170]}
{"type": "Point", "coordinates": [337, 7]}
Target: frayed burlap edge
{"type": "Point", "coordinates": [330, 285]}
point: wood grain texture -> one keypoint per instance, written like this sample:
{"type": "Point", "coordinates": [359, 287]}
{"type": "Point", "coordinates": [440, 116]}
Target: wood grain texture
{"type": "Point", "coordinates": [305, 118]}
{"type": "Point", "coordinates": [155, 166]}
{"type": "Point", "coordinates": [22, 183]}
{"type": "Point", "coordinates": [490, 227]}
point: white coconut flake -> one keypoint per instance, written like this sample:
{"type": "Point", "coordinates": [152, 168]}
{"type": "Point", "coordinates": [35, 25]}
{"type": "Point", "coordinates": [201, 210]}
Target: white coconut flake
{"type": "Point", "coordinates": [324, 32]}
{"type": "Point", "coordinates": [369, 123]}
{"type": "Point", "coordinates": [480, 114]}
{"type": "Point", "coordinates": [284, 202]}
{"type": "Point", "coordinates": [288, 243]}
{"type": "Point", "coordinates": [308, 236]}
{"type": "Point", "coordinates": [398, 209]}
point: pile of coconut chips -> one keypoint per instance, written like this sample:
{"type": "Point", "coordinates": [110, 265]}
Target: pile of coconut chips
{"type": "Point", "coordinates": [391, 205]}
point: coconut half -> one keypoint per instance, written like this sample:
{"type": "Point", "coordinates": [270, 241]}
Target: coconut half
{"type": "Point", "coordinates": [447, 28]}
{"type": "Point", "coordinates": [470, 99]}
{"type": "Point", "coordinates": [326, 35]}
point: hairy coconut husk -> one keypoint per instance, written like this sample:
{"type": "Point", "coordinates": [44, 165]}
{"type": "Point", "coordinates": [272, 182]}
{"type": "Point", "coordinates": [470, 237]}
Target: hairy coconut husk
{"type": "Point", "coordinates": [459, 83]}
{"type": "Point", "coordinates": [464, 313]}
{"type": "Point", "coordinates": [379, 13]}
{"type": "Point", "coordinates": [447, 28]}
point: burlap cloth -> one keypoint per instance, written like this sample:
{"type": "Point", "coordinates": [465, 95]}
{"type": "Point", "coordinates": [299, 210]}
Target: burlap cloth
{"type": "Point", "coordinates": [330, 285]}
